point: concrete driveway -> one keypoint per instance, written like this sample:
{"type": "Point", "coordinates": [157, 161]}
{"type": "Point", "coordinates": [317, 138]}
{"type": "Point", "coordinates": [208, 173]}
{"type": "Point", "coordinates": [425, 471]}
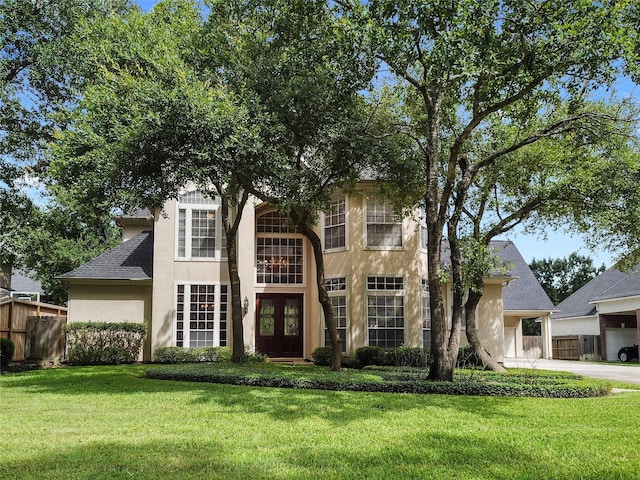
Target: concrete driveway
{"type": "Point", "coordinates": [628, 373]}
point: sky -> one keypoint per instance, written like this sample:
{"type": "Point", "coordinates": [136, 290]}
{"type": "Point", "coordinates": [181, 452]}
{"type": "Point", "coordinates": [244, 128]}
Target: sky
{"type": "Point", "coordinates": [555, 244]}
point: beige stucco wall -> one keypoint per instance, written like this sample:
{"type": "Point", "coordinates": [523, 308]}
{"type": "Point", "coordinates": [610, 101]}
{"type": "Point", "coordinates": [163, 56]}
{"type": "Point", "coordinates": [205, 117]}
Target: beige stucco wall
{"type": "Point", "coordinates": [116, 302]}
{"type": "Point", "coordinates": [355, 262]}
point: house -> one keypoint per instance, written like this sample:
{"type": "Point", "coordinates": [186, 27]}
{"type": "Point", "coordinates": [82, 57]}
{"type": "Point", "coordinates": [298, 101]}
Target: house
{"type": "Point", "coordinates": [608, 306]}
{"type": "Point", "coordinates": [23, 287]}
{"type": "Point", "coordinates": [171, 272]}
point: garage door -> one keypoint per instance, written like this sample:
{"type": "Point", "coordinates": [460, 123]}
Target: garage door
{"type": "Point", "coordinates": [618, 338]}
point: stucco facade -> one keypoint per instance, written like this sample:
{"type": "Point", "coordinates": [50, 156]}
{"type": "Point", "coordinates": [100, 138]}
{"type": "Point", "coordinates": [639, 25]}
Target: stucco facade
{"type": "Point", "coordinates": [375, 268]}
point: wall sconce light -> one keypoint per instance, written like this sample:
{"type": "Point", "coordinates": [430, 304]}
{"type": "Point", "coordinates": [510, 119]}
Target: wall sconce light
{"type": "Point", "coordinates": [245, 305]}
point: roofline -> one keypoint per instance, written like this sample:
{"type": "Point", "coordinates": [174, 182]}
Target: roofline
{"type": "Point", "coordinates": [579, 317]}
{"type": "Point", "coordinates": [613, 299]}
{"type": "Point", "coordinates": [104, 281]}
{"type": "Point", "coordinates": [532, 313]}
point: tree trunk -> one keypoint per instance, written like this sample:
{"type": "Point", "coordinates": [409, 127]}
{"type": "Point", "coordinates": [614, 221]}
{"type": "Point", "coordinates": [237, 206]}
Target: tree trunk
{"type": "Point", "coordinates": [472, 329]}
{"type": "Point", "coordinates": [5, 273]}
{"type": "Point", "coordinates": [323, 295]}
{"type": "Point", "coordinates": [237, 311]}
{"type": "Point", "coordinates": [441, 360]}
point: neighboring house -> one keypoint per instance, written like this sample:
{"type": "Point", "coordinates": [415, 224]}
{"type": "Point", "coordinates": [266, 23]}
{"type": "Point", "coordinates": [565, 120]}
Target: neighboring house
{"type": "Point", "coordinates": [171, 272]}
{"type": "Point", "coordinates": [23, 287]}
{"type": "Point", "coordinates": [608, 306]}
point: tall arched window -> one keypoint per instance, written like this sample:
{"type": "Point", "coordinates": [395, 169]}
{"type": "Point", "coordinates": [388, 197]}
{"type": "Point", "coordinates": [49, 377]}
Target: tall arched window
{"type": "Point", "coordinates": [279, 250]}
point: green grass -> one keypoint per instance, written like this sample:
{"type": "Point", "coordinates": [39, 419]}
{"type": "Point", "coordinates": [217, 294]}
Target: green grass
{"type": "Point", "coordinates": [109, 423]}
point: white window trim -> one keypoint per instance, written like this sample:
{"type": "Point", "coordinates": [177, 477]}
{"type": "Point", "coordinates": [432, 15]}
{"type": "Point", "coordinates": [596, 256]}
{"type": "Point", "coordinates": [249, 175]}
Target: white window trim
{"type": "Point", "coordinates": [346, 228]}
{"type": "Point", "coordinates": [189, 208]}
{"type": "Point", "coordinates": [422, 225]}
{"type": "Point", "coordinates": [365, 240]}
{"type": "Point", "coordinates": [304, 260]}
{"type": "Point", "coordinates": [385, 293]}
{"type": "Point", "coordinates": [216, 312]}
{"type": "Point", "coordinates": [340, 293]}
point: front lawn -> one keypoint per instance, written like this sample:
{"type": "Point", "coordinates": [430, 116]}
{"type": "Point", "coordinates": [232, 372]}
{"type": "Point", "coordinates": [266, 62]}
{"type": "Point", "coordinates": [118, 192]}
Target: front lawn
{"type": "Point", "coordinates": [110, 423]}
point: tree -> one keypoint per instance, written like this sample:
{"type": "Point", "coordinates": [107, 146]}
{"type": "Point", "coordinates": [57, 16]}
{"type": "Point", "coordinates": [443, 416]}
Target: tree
{"type": "Point", "coordinates": [466, 65]}
{"type": "Point", "coordinates": [561, 277]}
{"type": "Point", "coordinates": [39, 70]}
{"type": "Point", "coordinates": [302, 64]}
{"type": "Point", "coordinates": [156, 115]}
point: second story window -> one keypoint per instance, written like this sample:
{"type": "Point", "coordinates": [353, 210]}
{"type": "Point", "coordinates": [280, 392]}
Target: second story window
{"type": "Point", "coordinates": [335, 224]}
{"type": "Point", "coordinates": [200, 233]}
{"type": "Point", "coordinates": [384, 229]}
{"type": "Point", "coordinates": [279, 250]}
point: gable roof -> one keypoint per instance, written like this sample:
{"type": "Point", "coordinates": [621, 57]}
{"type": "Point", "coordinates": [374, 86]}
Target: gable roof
{"type": "Point", "coordinates": [131, 260]}
{"type": "Point", "coordinates": [524, 293]}
{"type": "Point", "coordinates": [23, 283]}
{"type": "Point", "coordinates": [609, 284]}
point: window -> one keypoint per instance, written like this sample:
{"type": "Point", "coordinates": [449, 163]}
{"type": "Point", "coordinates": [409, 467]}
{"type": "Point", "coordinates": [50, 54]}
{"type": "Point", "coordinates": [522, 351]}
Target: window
{"type": "Point", "coordinates": [337, 289]}
{"type": "Point", "coordinates": [335, 224]}
{"type": "Point", "coordinates": [426, 315]}
{"type": "Point", "coordinates": [279, 251]}
{"type": "Point", "coordinates": [201, 315]}
{"type": "Point", "coordinates": [385, 311]}
{"type": "Point", "coordinates": [200, 232]}
{"type": "Point", "coordinates": [383, 228]}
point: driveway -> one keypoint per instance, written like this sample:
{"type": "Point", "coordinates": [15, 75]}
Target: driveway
{"type": "Point", "coordinates": [628, 373]}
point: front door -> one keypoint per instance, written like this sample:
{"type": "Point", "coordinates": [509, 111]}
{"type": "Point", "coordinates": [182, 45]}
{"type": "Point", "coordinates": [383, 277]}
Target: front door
{"type": "Point", "coordinates": [279, 324]}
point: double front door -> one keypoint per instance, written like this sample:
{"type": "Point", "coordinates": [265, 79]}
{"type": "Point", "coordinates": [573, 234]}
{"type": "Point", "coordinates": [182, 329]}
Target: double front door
{"type": "Point", "coordinates": [279, 324]}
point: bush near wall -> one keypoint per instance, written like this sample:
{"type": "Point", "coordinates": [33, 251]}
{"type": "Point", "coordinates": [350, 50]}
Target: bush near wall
{"type": "Point", "coordinates": [7, 349]}
{"type": "Point", "coordinates": [102, 343]}
{"type": "Point", "coordinates": [174, 355]}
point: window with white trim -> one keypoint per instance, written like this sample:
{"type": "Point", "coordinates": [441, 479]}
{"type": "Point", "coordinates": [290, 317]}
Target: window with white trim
{"type": "Point", "coordinates": [201, 315]}
{"type": "Point", "coordinates": [385, 311]}
{"type": "Point", "coordinates": [426, 315]}
{"type": "Point", "coordinates": [199, 232]}
{"type": "Point", "coordinates": [279, 251]}
{"type": "Point", "coordinates": [383, 229]}
{"type": "Point", "coordinates": [335, 223]}
{"type": "Point", "coordinates": [337, 290]}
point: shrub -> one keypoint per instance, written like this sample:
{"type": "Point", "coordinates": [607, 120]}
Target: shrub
{"type": "Point", "coordinates": [102, 343]}
{"type": "Point", "coordinates": [467, 358]}
{"type": "Point", "coordinates": [350, 361]}
{"type": "Point", "coordinates": [408, 357]}
{"type": "Point", "coordinates": [255, 357]}
{"type": "Point", "coordinates": [199, 355]}
{"type": "Point", "coordinates": [370, 356]}
{"type": "Point", "coordinates": [7, 349]}
{"type": "Point", "coordinates": [322, 356]}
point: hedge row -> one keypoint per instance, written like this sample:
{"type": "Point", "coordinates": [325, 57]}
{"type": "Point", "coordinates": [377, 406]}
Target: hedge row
{"type": "Point", "coordinates": [399, 357]}
{"type": "Point", "coordinates": [476, 388]}
{"type": "Point", "coordinates": [174, 355]}
{"type": "Point", "coordinates": [103, 343]}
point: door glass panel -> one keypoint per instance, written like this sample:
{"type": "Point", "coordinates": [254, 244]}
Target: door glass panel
{"type": "Point", "coordinates": [291, 317]}
{"type": "Point", "coordinates": [267, 311]}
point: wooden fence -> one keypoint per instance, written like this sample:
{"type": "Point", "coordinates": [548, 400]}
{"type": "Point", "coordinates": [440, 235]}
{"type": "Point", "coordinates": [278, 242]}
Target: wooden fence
{"type": "Point", "coordinates": [34, 328]}
{"type": "Point", "coordinates": [576, 347]}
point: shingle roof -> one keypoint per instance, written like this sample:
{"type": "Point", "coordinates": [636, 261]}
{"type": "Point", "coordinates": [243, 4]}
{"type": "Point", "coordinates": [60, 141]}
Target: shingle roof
{"type": "Point", "coordinates": [131, 260]}
{"type": "Point", "coordinates": [23, 283]}
{"type": "Point", "coordinates": [609, 284]}
{"type": "Point", "coordinates": [525, 292]}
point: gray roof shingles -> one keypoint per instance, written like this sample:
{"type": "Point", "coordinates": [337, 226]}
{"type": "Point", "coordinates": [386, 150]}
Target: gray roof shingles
{"type": "Point", "coordinates": [131, 260]}
{"type": "Point", "coordinates": [608, 285]}
{"type": "Point", "coordinates": [524, 293]}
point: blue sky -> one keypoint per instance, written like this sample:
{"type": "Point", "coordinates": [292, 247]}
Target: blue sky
{"type": "Point", "coordinates": [557, 244]}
